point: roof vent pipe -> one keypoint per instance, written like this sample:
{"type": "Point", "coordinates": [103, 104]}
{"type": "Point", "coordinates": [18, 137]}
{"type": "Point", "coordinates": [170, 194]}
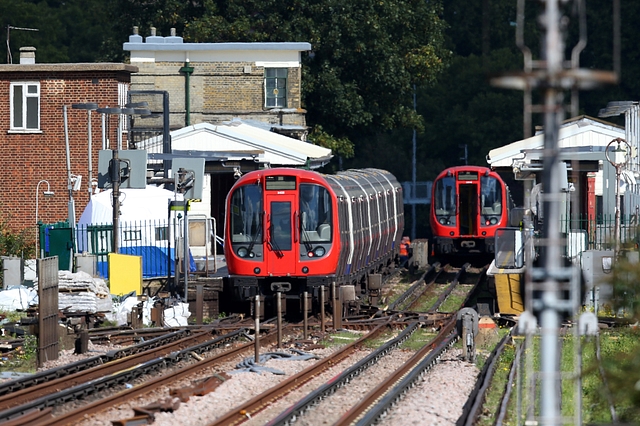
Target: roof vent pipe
{"type": "Point", "coordinates": [153, 31]}
{"type": "Point", "coordinates": [173, 32]}
{"type": "Point", "coordinates": [135, 30]}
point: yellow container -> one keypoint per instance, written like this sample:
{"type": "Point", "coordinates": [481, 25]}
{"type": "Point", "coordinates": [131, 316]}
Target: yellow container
{"type": "Point", "coordinates": [510, 299]}
{"type": "Point", "coordinates": [125, 274]}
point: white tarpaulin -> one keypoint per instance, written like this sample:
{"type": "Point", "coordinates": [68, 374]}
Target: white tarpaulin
{"type": "Point", "coordinates": [143, 229]}
{"type": "Point", "coordinates": [151, 203]}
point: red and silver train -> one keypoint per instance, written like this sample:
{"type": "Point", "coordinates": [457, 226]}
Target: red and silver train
{"type": "Point", "coordinates": [468, 205]}
{"type": "Point", "coordinates": [290, 231]}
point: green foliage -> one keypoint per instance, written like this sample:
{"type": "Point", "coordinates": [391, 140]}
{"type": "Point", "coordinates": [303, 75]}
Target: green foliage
{"type": "Point", "coordinates": [365, 57]}
{"type": "Point", "coordinates": [68, 31]}
{"type": "Point", "coordinates": [24, 359]}
{"type": "Point", "coordinates": [339, 146]}
{"type": "Point", "coordinates": [16, 243]}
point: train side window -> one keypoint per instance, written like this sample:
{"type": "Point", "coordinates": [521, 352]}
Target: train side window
{"type": "Point", "coordinates": [245, 214]}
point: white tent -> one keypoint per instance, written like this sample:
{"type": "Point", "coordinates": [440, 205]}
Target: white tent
{"type": "Point", "coordinates": [150, 203]}
{"type": "Point", "coordinates": [143, 228]}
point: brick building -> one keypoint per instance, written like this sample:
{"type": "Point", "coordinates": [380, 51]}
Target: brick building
{"type": "Point", "coordinates": [217, 82]}
{"type": "Point", "coordinates": [32, 138]}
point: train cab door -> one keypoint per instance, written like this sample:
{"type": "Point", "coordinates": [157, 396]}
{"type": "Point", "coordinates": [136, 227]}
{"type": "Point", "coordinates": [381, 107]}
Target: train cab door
{"type": "Point", "coordinates": [281, 252]}
{"type": "Point", "coordinates": [468, 208]}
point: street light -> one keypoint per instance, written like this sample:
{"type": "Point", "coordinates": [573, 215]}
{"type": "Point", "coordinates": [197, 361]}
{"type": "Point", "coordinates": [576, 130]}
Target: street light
{"type": "Point", "coordinates": [89, 106]}
{"type": "Point", "coordinates": [47, 193]}
{"type": "Point", "coordinates": [618, 161]}
{"type": "Point", "coordinates": [114, 166]}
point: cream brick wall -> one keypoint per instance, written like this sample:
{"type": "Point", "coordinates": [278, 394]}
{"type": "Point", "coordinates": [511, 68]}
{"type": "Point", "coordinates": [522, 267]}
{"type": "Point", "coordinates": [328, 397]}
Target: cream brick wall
{"type": "Point", "coordinates": [219, 91]}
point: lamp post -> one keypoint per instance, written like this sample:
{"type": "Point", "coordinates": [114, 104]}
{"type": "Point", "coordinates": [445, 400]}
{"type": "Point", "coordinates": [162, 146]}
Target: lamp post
{"type": "Point", "coordinates": [619, 161]}
{"type": "Point", "coordinates": [89, 106]}
{"type": "Point", "coordinates": [114, 167]}
{"type": "Point", "coordinates": [47, 193]}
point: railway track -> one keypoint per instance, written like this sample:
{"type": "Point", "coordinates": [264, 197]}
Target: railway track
{"type": "Point", "coordinates": [44, 397]}
{"type": "Point", "coordinates": [397, 324]}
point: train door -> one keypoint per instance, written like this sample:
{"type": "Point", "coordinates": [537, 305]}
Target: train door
{"type": "Point", "coordinates": [281, 253]}
{"type": "Point", "coordinates": [468, 208]}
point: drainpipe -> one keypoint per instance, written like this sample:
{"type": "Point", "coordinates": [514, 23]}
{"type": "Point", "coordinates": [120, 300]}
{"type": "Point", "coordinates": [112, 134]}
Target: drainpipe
{"type": "Point", "coordinates": [187, 70]}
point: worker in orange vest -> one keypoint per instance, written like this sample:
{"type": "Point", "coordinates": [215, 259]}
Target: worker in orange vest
{"type": "Point", "coordinates": [404, 249]}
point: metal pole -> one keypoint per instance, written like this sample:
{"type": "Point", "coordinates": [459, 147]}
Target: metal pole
{"type": "Point", "coordinates": [199, 303]}
{"type": "Point", "coordinates": [413, 174]}
{"type": "Point", "coordinates": [105, 145]}
{"type": "Point", "coordinates": [71, 211]}
{"type": "Point", "coordinates": [186, 252]}
{"type": "Point", "coordinates": [257, 328]}
{"type": "Point", "coordinates": [322, 319]}
{"type": "Point", "coordinates": [337, 307]}
{"type": "Point", "coordinates": [279, 309]}
{"type": "Point", "coordinates": [305, 315]}
{"type": "Point", "coordinates": [553, 48]}
{"type": "Point", "coordinates": [90, 159]}
{"type": "Point", "coordinates": [115, 181]}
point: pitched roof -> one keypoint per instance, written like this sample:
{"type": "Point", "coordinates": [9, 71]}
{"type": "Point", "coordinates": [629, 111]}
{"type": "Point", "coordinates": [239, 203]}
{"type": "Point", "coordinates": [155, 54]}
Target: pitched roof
{"type": "Point", "coordinates": [581, 131]}
{"type": "Point", "coordinates": [237, 140]}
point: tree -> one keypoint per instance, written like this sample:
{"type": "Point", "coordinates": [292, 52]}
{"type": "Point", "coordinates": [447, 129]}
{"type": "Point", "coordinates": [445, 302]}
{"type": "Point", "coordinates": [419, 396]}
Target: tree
{"type": "Point", "coordinates": [68, 31]}
{"type": "Point", "coordinates": [365, 57]}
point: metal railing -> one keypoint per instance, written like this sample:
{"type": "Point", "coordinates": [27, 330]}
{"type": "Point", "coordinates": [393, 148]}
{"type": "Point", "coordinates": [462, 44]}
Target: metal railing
{"type": "Point", "coordinates": [153, 240]}
{"type": "Point", "coordinates": [597, 233]}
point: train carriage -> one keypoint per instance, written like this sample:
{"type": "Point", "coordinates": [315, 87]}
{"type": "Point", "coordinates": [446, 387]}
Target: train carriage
{"type": "Point", "coordinates": [291, 231]}
{"type": "Point", "coordinates": [468, 205]}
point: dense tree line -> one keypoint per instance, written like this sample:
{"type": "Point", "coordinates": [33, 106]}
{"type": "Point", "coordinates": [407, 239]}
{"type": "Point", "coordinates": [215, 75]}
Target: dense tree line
{"type": "Point", "coordinates": [367, 57]}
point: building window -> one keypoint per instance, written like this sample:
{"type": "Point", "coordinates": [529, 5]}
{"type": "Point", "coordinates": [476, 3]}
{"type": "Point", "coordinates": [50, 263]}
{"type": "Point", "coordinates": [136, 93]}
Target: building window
{"type": "Point", "coordinates": [25, 106]}
{"type": "Point", "coordinates": [275, 87]}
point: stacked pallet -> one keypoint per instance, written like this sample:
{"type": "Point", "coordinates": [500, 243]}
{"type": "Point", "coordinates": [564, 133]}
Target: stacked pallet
{"type": "Point", "coordinates": [80, 292]}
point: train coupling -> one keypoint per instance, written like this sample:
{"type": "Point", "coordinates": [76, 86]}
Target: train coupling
{"type": "Point", "coordinates": [282, 287]}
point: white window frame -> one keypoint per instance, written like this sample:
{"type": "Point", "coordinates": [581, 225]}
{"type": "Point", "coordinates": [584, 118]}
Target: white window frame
{"type": "Point", "coordinates": [286, 84]}
{"type": "Point", "coordinates": [25, 95]}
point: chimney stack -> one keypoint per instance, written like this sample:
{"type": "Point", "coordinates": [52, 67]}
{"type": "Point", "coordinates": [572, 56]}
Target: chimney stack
{"type": "Point", "coordinates": [27, 55]}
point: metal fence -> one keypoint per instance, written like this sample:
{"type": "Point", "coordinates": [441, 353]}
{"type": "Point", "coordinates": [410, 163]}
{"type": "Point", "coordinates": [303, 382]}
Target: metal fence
{"type": "Point", "coordinates": [598, 233]}
{"type": "Point", "coordinates": [154, 240]}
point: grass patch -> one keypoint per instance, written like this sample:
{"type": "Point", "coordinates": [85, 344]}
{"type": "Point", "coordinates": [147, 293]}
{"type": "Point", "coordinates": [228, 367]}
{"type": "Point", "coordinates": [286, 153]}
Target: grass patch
{"type": "Point", "coordinates": [418, 339]}
{"type": "Point", "coordinates": [457, 297]}
{"type": "Point", "coordinates": [497, 387]}
{"type": "Point", "coordinates": [24, 358]}
{"type": "Point", "coordinates": [340, 338]}
{"type": "Point", "coordinates": [619, 361]}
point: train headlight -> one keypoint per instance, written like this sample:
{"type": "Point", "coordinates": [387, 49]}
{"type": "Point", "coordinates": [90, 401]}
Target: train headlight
{"type": "Point", "coordinates": [256, 271]}
{"type": "Point", "coordinates": [443, 221]}
{"type": "Point", "coordinates": [243, 252]}
{"type": "Point", "coordinates": [305, 270]}
{"type": "Point", "coordinates": [318, 252]}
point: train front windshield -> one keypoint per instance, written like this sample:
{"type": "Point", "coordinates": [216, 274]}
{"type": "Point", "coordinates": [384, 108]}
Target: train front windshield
{"type": "Point", "coordinates": [490, 201]}
{"type": "Point", "coordinates": [246, 214]}
{"type": "Point", "coordinates": [445, 201]}
{"type": "Point", "coordinates": [315, 211]}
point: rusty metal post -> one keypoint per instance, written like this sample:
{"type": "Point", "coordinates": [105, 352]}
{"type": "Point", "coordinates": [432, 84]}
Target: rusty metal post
{"type": "Point", "coordinates": [322, 309]}
{"type": "Point", "coordinates": [257, 327]}
{"type": "Point", "coordinates": [199, 303]}
{"type": "Point", "coordinates": [305, 315]}
{"type": "Point", "coordinates": [82, 342]}
{"type": "Point", "coordinates": [279, 309]}
{"type": "Point", "coordinates": [337, 307]}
